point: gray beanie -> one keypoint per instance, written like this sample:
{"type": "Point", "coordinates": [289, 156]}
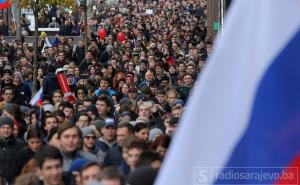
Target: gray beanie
{"type": "Point", "coordinates": [154, 132]}
{"type": "Point", "coordinates": [17, 73]}
{"type": "Point", "coordinates": [6, 121]}
{"type": "Point", "coordinates": [86, 131]}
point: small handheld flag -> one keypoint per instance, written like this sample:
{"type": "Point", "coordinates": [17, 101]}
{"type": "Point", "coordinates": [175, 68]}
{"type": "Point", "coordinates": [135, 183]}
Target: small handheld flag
{"type": "Point", "coordinates": [5, 4]}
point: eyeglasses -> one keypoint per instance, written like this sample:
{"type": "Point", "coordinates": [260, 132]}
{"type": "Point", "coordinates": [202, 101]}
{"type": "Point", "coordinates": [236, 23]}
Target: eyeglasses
{"type": "Point", "coordinates": [90, 137]}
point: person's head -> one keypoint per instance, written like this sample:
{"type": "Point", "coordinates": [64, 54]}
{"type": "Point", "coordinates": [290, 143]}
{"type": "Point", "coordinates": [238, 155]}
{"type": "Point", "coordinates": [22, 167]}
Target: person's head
{"type": "Point", "coordinates": [150, 158]}
{"type": "Point", "coordinates": [50, 165]}
{"type": "Point", "coordinates": [89, 172]}
{"type": "Point", "coordinates": [52, 138]}
{"type": "Point", "coordinates": [34, 139]}
{"type": "Point", "coordinates": [68, 110]}
{"type": "Point", "coordinates": [83, 120]}
{"type": "Point", "coordinates": [109, 130]}
{"type": "Point", "coordinates": [149, 75]}
{"type": "Point", "coordinates": [69, 136]}
{"type": "Point", "coordinates": [104, 84]}
{"type": "Point", "coordinates": [171, 96]}
{"type": "Point", "coordinates": [60, 116]}
{"type": "Point", "coordinates": [8, 94]}
{"type": "Point", "coordinates": [160, 96]}
{"type": "Point", "coordinates": [145, 174]}
{"type": "Point", "coordinates": [145, 110]}
{"type": "Point", "coordinates": [61, 55]}
{"type": "Point", "coordinates": [89, 138]}
{"type": "Point", "coordinates": [17, 78]}
{"type": "Point", "coordinates": [161, 144]}
{"type": "Point", "coordinates": [6, 127]}
{"type": "Point", "coordinates": [111, 176]}
{"type": "Point", "coordinates": [124, 130]}
{"type": "Point", "coordinates": [57, 97]}
{"type": "Point", "coordinates": [88, 55]}
{"type": "Point", "coordinates": [134, 150]}
{"type": "Point", "coordinates": [190, 69]}
{"type": "Point", "coordinates": [188, 79]}
{"type": "Point", "coordinates": [7, 75]}
{"type": "Point", "coordinates": [13, 111]}
{"type": "Point", "coordinates": [103, 106]}
{"type": "Point", "coordinates": [181, 67]}
{"type": "Point", "coordinates": [141, 130]}
{"type": "Point", "coordinates": [50, 122]}
{"type": "Point", "coordinates": [125, 88]}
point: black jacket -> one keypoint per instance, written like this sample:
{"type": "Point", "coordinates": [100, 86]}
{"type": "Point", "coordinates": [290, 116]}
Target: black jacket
{"type": "Point", "coordinates": [113, 157]}
{"type": "Point", "coordinates": [50, 84]}
{"type": "Point", "coordinates": [22, 94]}
{"type": "Point", "coordinates": [8, 151]}
{"type": "Point", "coordinates": [79, 55]}
{"type": "Point", "coordinates": [22, 158]}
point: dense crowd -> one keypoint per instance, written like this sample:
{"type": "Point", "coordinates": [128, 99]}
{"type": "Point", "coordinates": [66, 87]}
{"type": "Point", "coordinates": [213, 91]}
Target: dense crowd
{"type": "Point", "coordinates": [129, 96]}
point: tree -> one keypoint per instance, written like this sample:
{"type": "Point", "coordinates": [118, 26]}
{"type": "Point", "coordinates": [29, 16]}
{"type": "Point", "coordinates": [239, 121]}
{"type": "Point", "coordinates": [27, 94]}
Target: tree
{"type": "Point", "coordinates": [84, 6]}
{"type": "Point", "coordinates": [37, 6]}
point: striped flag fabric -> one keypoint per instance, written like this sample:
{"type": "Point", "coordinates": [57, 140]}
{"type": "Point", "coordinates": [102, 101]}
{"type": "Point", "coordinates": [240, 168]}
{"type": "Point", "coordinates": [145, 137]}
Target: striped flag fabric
{"type": "Point", "coordinates": [5, 4]}
{"type": "Point", "coordinates": [242, 121]}
{"type": "Point", "coordinates": [37, 99]}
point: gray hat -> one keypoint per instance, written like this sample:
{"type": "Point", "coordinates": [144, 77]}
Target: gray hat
{"type": "Point", "coordinates": [125, 101]}
{"type": "Point", "coordinates": [17, 73]}
{"type": "Point", "coordinates": [154, 132]}
{"type": "Point", "coordinates": [86, 131]}
{"type": "Point", "coordinates": [6, 121]}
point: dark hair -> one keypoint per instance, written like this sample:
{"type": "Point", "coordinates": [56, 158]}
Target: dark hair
{"type": "Point", "coordinates": [33, 133]}
{"type": "Point", "coordinates": [50, 116]}
{"type": "Point", "coordinates": [83, 114]}
{"type": "Point", "coordinates": [7, 88]}
{"type": "Point", "coordinates": [83, 88]}
{"type": "Point", "coordinates": [52, 132]}
{"type": "Point", "coordinates": [67, 105]}
{"type": "Point", "coordinates": [112, 173]}
{"type": "Point", "coordinates": [90, 164]}
{"type": "Point", "coordinates": [89, 99]}
{"type": "Point", "coordinates": [51, 69]}
{"type": "Point", "coordinates": [140, 126]}
{"type": "Point", "coordinates": [66, 126]}
{"type": "Point", "coordinates": [137, 143]}
{"type": "Point", "coordinates": [58, 91]}
{"type": "Point", "coordinates": [106, 100]}
{"type": "Point", "coordinates": [47, 152]}
{"type": "Point", "coordinates": [162, 140]}
{"type": "Point", "coordinates": [148, 157]}
{"type": "Point", "coordinates": [59, 113]}
{"type": "Point", "coordinates": [127, 125]}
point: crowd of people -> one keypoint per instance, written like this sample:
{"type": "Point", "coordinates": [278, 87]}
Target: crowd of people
{"type": "Point", "coordinates": [129, 96]}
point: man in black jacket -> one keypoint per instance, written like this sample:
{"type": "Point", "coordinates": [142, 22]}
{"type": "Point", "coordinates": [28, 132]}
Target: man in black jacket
{"type": "Point", "coordinates": [22, 92]}
{"type": "Point", "coordinates": [9, 147]}
{"type": "Point", "coordinates": [50, 83]}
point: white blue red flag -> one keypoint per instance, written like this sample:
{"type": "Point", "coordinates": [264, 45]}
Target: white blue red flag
{"type": "Point", "coordinates": [242, 121]}
{"type": "Point", "coordinates": [37, 99]}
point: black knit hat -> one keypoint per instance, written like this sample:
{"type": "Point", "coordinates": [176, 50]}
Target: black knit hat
{"type": "Point", "coordinates": [6, 121]}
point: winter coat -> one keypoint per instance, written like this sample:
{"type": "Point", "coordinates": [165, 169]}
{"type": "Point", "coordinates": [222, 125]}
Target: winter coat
{"type": "Point", "coordinates": [8, 151]}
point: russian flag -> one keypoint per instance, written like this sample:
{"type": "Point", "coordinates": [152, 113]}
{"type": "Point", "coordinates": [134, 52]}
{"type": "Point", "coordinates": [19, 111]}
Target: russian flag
{"type": "Point", "coordinates": [5, 4]}
{"type": "Point", "coordinates": [37, 99]}
{"type": "Point", "coordinates": [242, 121]}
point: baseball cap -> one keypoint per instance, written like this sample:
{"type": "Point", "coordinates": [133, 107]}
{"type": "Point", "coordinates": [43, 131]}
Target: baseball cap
{"type": "Point", "coordinates": [109, 122]}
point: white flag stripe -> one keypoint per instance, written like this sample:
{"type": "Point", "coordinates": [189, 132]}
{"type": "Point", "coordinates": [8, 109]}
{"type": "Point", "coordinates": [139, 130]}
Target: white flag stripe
{"type": "Point", "coordinates": [36, 97]}
{"type": "Point", "coordinates": [219, 108]}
